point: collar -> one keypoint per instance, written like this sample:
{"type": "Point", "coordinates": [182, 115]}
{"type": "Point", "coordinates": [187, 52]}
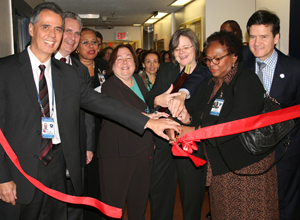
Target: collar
{"type": "Point", "coordinates": [271, 60]}
{"type": "Point", "coordinates": [35, 61]}
{"type": "Point", "coordinates": [58, 56]}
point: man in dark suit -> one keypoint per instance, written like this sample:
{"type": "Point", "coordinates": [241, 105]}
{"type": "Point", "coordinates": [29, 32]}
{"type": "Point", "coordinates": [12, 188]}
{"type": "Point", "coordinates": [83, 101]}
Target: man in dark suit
{"type": "Point", "coordinates": [22, 105]}
{"type": "Point", "coordinates": [70, 41]}
{"type": "Point", "coordinates": [281, 79]}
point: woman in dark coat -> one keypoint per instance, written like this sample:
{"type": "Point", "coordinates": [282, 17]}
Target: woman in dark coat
{"type": "Point", "coordinates": [125, 158]}
{"type": "Point", "coordinates": [232, 93]}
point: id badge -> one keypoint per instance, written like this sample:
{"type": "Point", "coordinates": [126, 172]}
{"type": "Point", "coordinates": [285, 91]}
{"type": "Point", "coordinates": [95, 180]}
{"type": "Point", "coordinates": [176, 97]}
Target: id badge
{"type": "Point", "coordinates": [217, 107]}
{"type": "Point", "coordinates": [101, 76]}
{"type": "Point", "coordinates": [47, 127]}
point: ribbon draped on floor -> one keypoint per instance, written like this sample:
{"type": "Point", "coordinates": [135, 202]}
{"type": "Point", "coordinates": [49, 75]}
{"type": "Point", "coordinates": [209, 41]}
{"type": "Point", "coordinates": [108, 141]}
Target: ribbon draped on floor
{"type": "Point", "coordinates": [230, 128]}
{"type": "Point", "coordinates": [106, 209]}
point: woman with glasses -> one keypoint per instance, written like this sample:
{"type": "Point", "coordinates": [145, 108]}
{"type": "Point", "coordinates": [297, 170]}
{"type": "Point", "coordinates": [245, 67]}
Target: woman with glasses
{"type": "Point", "coordinates": [230, 94]}
{"type": "Point", "coordinates": [184, 49]}
{"type": "Point", "coordinates": [105, 53]}
{"type": "Point", "coordinates": [86, 53]}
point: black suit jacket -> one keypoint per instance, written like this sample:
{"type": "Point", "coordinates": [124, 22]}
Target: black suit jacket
{"type": "Point", "coordinates": [115, 139]}
{"type": "Point", "coordinates": [20, 118]}
{"type": "Point", "coordinates": [286, 90]}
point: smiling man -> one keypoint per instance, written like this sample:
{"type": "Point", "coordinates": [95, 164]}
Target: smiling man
{"type": "Point", "coordinates": [37, 89]}
{"type": "Point", "coordinates": [69, 43]}
{"type": "Point", "coordinates": [280, 76]}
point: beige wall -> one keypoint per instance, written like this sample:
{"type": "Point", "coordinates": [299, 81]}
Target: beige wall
{"type": "Point", "coordinates": [163, 30]}
{"type": "Point", "coordinates": [282, 9]}
{"type": "Point", "coordinates": [134, 33]}
{"type": "Point", "coordinates": [6, 39]}
{"type": "Point", "coordinates": [215, 12]}
{"type": "Point", "coordinates": [191, 11]}
{"type": "Point", "coordinates": [218, 11]}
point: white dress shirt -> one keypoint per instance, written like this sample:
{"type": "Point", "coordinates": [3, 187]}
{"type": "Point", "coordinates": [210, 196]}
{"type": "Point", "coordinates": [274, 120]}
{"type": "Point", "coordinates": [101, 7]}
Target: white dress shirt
{"type": "Point", "coordinates": [36, 74]}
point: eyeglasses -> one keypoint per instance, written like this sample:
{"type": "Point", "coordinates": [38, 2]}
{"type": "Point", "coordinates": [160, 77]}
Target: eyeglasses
{"type": "Point", "coordinates": [215, 60]}
{"type": "Point", "coordinates": [184, 49]}
{"type": "Point", "coordinates": [86, 42]}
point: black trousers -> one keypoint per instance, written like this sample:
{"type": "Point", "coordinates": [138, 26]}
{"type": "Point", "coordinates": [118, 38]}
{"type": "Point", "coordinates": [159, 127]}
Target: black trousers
{"type": "Point", "coordinates": [127, 180]}
{"type": "Point", "coordinates": [166, 170]}
{"type": "Point", "coordinates": [42, 207]}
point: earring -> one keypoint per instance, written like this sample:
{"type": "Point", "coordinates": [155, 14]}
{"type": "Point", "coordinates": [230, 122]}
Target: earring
{"type": "Point", "coordinates": [232, 66]}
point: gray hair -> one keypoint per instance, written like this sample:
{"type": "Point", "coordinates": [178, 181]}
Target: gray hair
{"type": "Point", "coordinates": [45, 6]}
{"type": "Point", "coordinates": [72, 15]}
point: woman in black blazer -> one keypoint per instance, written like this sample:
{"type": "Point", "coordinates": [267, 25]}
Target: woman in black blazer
{"type": "Point", "coordinates": [125, 157]}
{"type": "Point", "coordinates": [232, 93]}
{"type": "Point", "coordinates": [167, 169]}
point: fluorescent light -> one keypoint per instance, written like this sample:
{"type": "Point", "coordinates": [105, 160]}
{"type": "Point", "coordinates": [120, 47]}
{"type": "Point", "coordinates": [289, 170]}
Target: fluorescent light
{"type": "Point", "coordinates": [89, 16]}
{"type": "Point", "coordinates": [159, 15]}
{"type": "Point", "coordinates": [180, 2]}
{"type": "Point", "coordinates": [136, 25]}
{"type": "Point", "coordinates": [151, 21]}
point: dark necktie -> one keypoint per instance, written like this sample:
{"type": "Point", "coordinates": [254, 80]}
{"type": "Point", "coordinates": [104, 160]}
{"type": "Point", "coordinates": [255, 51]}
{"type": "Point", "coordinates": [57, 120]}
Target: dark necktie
{"type": "Point", "coordinates": [261, 65]}
{"type": "Point", "coordinates": [63, 59]}
{"type": "Point", "coordinates": [46, 152]}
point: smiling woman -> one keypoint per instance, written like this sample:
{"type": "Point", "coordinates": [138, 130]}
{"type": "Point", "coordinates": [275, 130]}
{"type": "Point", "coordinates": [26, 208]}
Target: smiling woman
{"type": "Point", "coordinates": [125, 158]}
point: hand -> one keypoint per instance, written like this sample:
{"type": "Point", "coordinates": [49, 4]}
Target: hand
{"type": "Point", "coordinates": [184, 116]}
{"type": "Point", "coordinates": [164, 98]}
{"type": "Point", "coordinates": [185, 129]}
{"type": "Point", "coordinates": [8, 192]}
{"type": "Point", "coordinates": [159, 125]}
{"type": "Point", "coordinates": [157, 115]}
{"type": "Point", "coordinates": [171, 135]}
{"type": "Point", "coordinates": [89, 156]}
{"type": "Point", "coordinates": [176, 104]}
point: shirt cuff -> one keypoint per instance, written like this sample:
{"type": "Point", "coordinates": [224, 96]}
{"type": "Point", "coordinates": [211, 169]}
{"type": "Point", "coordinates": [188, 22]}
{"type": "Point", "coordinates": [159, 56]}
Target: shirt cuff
{"type": "Point", "coordinates": [187, 93]}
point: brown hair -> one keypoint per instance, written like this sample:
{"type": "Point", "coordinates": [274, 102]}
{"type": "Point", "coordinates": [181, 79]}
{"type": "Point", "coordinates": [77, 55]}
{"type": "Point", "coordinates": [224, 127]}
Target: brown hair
{"type": "Point", "coordinates": [175, 41]}
{"type": "Point", "coordinates": [113, 57]}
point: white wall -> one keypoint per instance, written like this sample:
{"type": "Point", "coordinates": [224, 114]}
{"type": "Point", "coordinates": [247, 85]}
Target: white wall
{"type": "Point", "coordinates": [134, 33]}
{"type": "Point", "coordinates": [218, 11]}
{"type": "Point", "coordinates": [282, 9]}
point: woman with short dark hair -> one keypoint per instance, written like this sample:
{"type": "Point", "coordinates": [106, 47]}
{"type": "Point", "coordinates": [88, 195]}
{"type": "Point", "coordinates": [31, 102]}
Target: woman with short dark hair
{"type": "Point", "coordinates": [230, 94]}
{"type": "Point", "coordinates": [125, 157]}
{"type": "Point", "coordinates": [150, 62]}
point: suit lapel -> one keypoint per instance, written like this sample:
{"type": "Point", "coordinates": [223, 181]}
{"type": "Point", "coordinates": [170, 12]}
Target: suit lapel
{"type": "Point", "coordinates": [58, 86]}
{"type": "Point", "coordinates": [278, 81]}
{"type": "Point", "coordinates": [27, 75]}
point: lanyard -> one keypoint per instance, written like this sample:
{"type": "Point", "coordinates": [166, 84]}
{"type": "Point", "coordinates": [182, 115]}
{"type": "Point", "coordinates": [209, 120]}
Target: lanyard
{"type": "Point", "coordinates": [40, 102]}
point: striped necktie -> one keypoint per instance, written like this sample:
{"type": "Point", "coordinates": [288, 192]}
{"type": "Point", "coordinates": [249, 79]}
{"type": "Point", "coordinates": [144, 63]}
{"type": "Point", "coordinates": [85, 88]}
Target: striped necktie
{"type": "Point", "coordinates": [46, 152]}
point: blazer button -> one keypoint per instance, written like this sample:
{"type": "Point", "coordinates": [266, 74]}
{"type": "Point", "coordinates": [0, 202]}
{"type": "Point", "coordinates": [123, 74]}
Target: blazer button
{"type": "Point", "coordinates": [38, 133]}
{"type": "Point", "coordinates": [36, 157]}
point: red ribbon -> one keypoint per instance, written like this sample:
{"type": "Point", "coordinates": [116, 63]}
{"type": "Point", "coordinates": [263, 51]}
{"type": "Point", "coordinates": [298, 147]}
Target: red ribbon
{"type": "Point", "coordinates": [233, 127]}
{"type": "Point", "coordinates": [105, 209]}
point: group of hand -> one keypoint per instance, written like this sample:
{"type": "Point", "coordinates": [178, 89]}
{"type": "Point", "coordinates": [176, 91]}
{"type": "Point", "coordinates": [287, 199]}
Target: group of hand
{"type": "Point", "coordinates": [175, 103]}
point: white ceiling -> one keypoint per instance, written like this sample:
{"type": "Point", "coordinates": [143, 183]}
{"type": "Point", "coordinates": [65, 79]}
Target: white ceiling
{"type": "Point", "coordinates": [126, 12]}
